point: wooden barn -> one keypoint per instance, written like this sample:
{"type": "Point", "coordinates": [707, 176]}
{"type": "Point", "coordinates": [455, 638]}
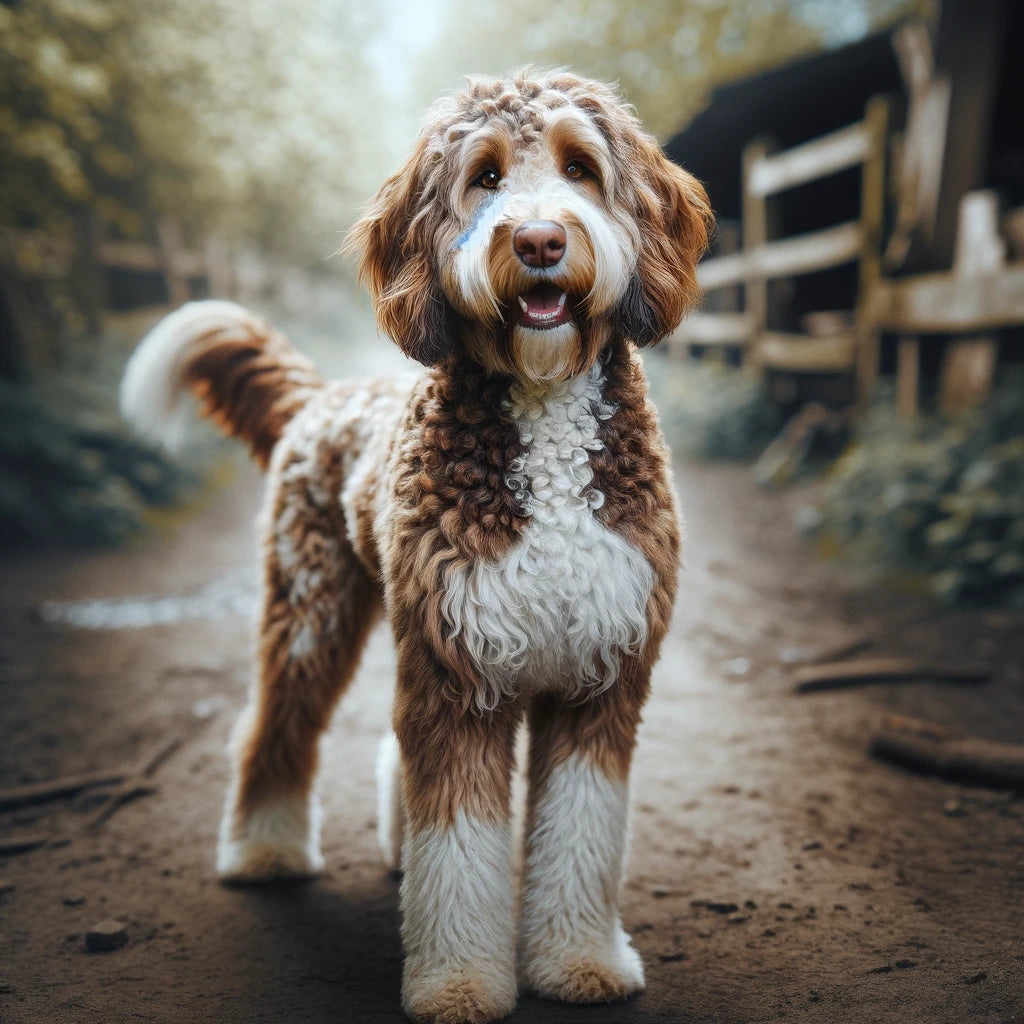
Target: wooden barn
{"type": "Point", "coordinates": [870, 210]}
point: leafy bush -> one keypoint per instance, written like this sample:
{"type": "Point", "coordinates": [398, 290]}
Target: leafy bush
{"type": "Point", "coordinates": [945, 498]}
{"type": "Point", "coordinates": [74, 477]}
{"type": "Point", "coordinates": [710, 410]}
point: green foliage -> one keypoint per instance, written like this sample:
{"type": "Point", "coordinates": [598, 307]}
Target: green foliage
{"type": "Point", "coordinates": [945, 498]}
{"type": "Point", "coordinates": [67, 480]}
{"type": "Point", "coordinates": [666, 54]}
{"type": "Point", "coordinates": [711, 411]}
{"type": "Point", "coordinates": [233, 117]}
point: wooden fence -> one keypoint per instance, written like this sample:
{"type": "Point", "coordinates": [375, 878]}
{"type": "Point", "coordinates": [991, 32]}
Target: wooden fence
{"type": "Point", "coordinates": [86, 257]}
{"type": "Point", "coordinates": [851, 349]}
{"type": "Point", "coordinates": [961, 308]}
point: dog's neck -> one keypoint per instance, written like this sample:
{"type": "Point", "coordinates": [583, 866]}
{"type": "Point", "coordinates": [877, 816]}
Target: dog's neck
{"type": "Point", "coordinates": [468, 383]}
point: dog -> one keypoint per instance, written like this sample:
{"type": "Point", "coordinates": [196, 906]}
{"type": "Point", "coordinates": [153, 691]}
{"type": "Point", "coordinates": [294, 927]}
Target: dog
{"type": "Point", "coordinates": [511, 511]}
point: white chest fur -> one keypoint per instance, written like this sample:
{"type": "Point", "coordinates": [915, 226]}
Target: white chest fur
{"type": "Point", "coordinates": [559, 610]}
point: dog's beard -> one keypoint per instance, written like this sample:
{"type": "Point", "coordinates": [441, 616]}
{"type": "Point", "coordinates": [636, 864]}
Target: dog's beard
{"type": "Point", "coordinates": [545, 355]}
{"type": "Point", "coordinates": [538, 357]}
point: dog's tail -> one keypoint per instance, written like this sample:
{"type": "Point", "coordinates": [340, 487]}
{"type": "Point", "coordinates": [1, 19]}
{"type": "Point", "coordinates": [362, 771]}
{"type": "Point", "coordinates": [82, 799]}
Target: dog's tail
{"type": "Point", "coordinates": [249, 378]}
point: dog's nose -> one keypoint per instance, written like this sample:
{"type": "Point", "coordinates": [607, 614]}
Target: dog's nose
{"type": "Point", "coordinates": [539, 243]}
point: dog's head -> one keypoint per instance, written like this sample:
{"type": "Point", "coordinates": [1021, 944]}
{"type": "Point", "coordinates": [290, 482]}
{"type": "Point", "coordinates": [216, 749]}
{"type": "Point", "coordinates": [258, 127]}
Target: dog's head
{"type": "Point", "coordinates": [535, 220]}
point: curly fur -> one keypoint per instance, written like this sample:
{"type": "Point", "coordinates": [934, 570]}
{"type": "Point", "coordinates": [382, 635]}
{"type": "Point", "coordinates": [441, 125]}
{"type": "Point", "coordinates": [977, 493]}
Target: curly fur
{"type": "Point", "coordinates": [510, 510]}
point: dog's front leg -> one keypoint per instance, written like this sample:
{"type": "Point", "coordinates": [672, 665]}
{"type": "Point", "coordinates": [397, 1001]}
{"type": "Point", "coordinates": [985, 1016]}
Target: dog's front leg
{"type": "Point", "coordinates": [572, 945]}
{"type": "Point", "coordinates": [457, 900]}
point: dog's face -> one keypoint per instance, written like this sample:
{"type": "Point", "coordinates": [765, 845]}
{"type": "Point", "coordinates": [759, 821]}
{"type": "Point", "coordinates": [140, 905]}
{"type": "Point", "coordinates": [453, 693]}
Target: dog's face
{"type": "Point", "coordinates": [535, 221]}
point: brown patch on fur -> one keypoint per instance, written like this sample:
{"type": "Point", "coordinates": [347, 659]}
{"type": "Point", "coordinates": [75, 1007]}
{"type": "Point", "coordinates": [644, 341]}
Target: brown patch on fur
{"type": "Point", "coordinates": [633, 471]}
{"type": "Point", "coordinates": [602, 728]}
{"type": "Point", "coordinates": [251, 382]}
{"type": "Point", "coordinates": [396, 242]}
{"type": "Point", "coordinates": [451, 507]}
{"type": "Point", "coordinates": [451, 503]}
{"type": "Point", "coordinates": [327, 593]}
{"type": "Point", "coordinates": [454, 757]}
{"type": "Point", "coordinates": [676, 217]}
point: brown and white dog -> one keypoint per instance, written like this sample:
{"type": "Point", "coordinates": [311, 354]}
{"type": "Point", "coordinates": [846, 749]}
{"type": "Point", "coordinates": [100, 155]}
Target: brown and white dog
{"type": "Point", "coordinates": [511, 510]}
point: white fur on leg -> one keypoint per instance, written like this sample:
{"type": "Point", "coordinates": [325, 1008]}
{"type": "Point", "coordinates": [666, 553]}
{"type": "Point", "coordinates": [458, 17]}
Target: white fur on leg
{"type": "Point", "coordinates": [277, 841]}
{"type": "Point", "coordinates": [390, 808]}
{"type": "Point", "coordinates": [572, 946]}
{"type": "Point", "coordinates": [457, 923]}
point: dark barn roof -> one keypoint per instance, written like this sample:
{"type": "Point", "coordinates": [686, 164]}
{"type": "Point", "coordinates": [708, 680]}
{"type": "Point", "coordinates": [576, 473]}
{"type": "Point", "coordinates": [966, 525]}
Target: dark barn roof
{"type": "Point", "coordinates": [792, 104]}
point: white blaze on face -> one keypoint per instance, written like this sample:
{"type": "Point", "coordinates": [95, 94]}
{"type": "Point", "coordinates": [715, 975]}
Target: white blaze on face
{"type": "Point", "coordinates": [537, 189]}
{"type": "Point", "coordinates": [471, 252]}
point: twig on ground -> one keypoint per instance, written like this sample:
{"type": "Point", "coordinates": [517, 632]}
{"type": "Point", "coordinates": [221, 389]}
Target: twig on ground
{"type": "Point", "coordinates": [934, 750]}
{"type": "Point", "coordinates": [22, 843]}
{"type": "Point", "coordinates": [862, 671]}
{"type": "Point", "coordinates": [41, 792]}
{"type": "Point", "coordinates": [136, 784]}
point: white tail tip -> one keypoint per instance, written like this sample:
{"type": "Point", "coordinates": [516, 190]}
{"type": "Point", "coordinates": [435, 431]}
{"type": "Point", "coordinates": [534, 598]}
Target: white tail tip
{"type": "Point", "coordinates": [151, 388]}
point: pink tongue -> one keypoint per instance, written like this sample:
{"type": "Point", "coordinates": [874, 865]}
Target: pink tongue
{"type": "Point", "coordinates": [541, 304]}
{"type": "Point", "coordinates": [542, 299]}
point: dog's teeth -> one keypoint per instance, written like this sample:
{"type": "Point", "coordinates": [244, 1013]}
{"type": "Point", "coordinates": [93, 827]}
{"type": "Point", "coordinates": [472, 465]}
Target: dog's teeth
{"type": "Point", "coordinates": [561, 301]}
{"type": "Point", "coordinates": [522, 305]}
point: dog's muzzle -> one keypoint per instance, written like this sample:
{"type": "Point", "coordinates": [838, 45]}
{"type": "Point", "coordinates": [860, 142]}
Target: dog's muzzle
{"type": "Point", "coordinates": [540, 244]}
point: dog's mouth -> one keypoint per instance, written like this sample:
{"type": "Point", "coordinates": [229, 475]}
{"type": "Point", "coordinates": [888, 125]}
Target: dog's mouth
{"type": "Point", "coordinates": [544, 306]}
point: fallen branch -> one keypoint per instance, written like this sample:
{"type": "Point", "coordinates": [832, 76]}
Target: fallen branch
{"type": "Point", "coordinates": [862, 671]}
{"type": "Point", "coordinates": [135, 785]}
{"type": "Point", "coordinates": [933, 750]}
{"type": "Point", "coordinates": [41, 792]}
{"type": "Point", "coordinates": [22, 843]}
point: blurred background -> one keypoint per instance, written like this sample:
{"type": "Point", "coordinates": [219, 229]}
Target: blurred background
{"type": "Point", "coordinates": [853, 151]}
{"type": "Point", "coordinates": [846, 410]}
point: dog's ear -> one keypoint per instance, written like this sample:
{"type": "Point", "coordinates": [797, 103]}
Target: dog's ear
{"type": "Point", "coordinates": [675, 220]}
{"type": "Point", "coordinates": [396, 263]}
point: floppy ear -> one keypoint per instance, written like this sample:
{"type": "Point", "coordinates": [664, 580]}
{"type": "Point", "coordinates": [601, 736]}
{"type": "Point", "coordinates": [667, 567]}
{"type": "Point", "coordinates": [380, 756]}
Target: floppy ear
{"type": "Point", "coordinates": [675, 222]}
{"type": "Point", "coordinates": [396, 264]}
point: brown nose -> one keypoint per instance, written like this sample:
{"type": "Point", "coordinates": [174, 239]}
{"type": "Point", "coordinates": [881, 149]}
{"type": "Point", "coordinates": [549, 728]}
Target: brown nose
{"type": "Point", "coordinates": [539, 243]}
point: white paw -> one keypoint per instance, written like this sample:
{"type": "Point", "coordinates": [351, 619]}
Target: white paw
{"type": "Point", "coordinates": [273, 843]}
{"type": "Point", "coordinates": [585, 975]}
{"type": "Point", "coordinates": [474, 994]}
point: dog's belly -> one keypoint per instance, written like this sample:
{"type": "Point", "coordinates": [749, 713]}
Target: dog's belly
{"type": "Point", "coordinates": [563, 605]}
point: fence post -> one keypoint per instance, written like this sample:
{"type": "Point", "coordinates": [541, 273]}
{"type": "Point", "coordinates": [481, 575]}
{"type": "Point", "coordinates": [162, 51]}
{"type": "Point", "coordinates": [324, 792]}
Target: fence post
{"type": "Point", "coordinates": [872, 221]}
{"type": "Point", "coordinates": [169, 237]}
{"type": "Point", "coordinates": [219, 268]}
{"type": "Point", "coordinates": [755, 233]}
{"type": "Point", "coordinates": [87, 275]}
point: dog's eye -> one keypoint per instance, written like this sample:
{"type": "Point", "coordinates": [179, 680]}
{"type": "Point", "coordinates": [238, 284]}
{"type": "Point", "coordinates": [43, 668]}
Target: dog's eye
{"type": "Point", "coordinates": [489, 179]}
{"type": "Point", "coordinates": [576, 170]}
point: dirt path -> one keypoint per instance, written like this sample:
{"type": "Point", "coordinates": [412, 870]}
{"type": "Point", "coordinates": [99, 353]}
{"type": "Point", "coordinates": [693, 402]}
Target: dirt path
{"type": "Point", "coordinates": [776, 872]}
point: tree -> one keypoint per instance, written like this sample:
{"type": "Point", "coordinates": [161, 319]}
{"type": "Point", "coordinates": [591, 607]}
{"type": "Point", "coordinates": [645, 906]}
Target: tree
{"type": "Point", "coordinates": [666, 54]}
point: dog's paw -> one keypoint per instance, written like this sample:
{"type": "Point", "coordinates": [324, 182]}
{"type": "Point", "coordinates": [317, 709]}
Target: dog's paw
{"type": "Point", "coordinates": [458, 995]}
{"type": "Point", "coordinates": [273, 844]}
{"type": "Point", "coordinates": [243, 862]}
{"type": "Point", "coordinates": [593, 976]}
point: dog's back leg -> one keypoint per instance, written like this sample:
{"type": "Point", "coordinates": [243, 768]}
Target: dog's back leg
{"type": "Point", "coordinates": [319, 605]}
{"type": "Point", "coordinates": [390, 803]}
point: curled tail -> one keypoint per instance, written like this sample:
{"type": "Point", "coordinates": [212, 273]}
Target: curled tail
{"type": "Point", "coordinates": [248, 376]}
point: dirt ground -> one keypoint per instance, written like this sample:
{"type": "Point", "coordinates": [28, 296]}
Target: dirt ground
{"type": "Point", "coordinates": [777, 872]}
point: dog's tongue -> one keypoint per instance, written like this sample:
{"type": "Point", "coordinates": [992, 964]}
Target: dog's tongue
{"type": "Point", "coordinates": [543, 306]}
